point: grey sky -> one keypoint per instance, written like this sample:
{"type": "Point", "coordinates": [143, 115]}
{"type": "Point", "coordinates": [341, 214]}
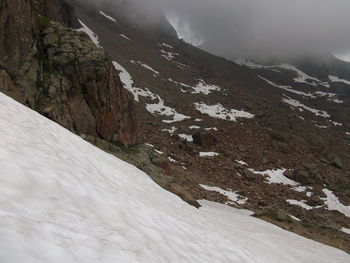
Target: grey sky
{"type": "Point", "coordinates": [259, 28]}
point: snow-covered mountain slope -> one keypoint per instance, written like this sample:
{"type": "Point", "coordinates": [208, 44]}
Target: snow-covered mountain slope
{"type": "Point", "coordinates": [64, 200]}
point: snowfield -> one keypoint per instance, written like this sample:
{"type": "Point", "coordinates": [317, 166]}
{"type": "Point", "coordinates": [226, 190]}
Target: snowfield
{"type": "Point", "coordinates": [64, 200]}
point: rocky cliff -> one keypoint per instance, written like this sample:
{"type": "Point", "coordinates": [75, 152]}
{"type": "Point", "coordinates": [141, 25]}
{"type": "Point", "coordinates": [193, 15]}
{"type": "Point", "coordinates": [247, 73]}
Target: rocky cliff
{"type": "Point", "coordinates": [60, 72]}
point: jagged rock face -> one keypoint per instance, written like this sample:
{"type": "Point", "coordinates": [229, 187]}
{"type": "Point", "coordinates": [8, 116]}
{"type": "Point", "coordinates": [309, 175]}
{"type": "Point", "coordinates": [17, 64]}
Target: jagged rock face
{"type": "Point", "coordinates": [60, 73]}
{"type": "Point", "coordinates": [82, 90]}
{"type": "Point", "coordinates": [17, 27]}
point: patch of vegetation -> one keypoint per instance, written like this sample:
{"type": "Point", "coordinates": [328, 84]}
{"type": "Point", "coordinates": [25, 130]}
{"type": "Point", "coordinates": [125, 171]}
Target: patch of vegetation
{"type": "Point", "coordinates": [129, 149]}
{"type": "Point", "coordinates": [44, 22]}
{"type": "Point", "coordinates": [344, 186]}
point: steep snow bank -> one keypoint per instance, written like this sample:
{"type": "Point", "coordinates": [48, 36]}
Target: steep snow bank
{"type": "Point", "coordinates": [63, 200]}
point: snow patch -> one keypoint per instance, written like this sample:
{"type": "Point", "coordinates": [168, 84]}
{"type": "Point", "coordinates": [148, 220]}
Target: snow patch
{"type": "Point", "coordinates": [336, 123]}
{"type": "Point", "coordinates": [124, 36]}
{"type": "Point", "coordinates": [289, 89]}
{"type": "Point", "coordinates": [94, 38]}
{"type": "Point", "coordinates": [336, 101]}
{"type": "Point", "coordinates": [205, 89]}
{"type": "Point", "coordinates": [219, 112]}
{"type": "Point", "coordinates": [321, 126]}
{"type": "Point", "coordinates": [336, 79]}
{"type": "Point", "coordinates": [345, 230]}
{"type": "Point", "coordinates": [325, 94]}
{"type": "Point", "coordinates": [155, 72]}
{"type": "Point", "coordinates": [333, 203]}
{"type": "Point", "coordinates": [301, 107]}
{"type": "Point", "coordinates": [162, 110]}
{"type": "Point", "coordinates": [172, 160]}
{"type": "Point", "coordinates": [208, 154]}
{"type": "Point", "coordinates": [276, 176]}
{"type": "Point", "coordinates": [168, 55]}
{"type": "Point", "coordinates": [201, 88]}
{"type": "Point", "coordinates": [128, 82]}
{"type": "Point", "coordinates": [166, 45]}
{"type": "Point", "coordinates": [211, 129]}
{"type": "Point", "coordinates": [155, 108]}
{"type": "Point", "coordinates": [181, 84]}
{"type": "Point", "coordinates": [107, 16]}
{"type": "Point", "coordinates": [186, 137]}
{"type": "Point", "coordinates": [301, 204]}
{"type": "Point", "coordinates": [295, 218]}
{"type": "Point", "coordinates": [241, 162]}
{"type": "Point", "coordinates": [171, 131]}
{"type": "Point", "coordinates": [250, 64]}
{"type": "Point", "coordinates": [330, 96]}
{"type": "Point", "coordinates": [302, 188]}
{"type": "Point", "coordinates": [303, 77]}
{"type": "Point", "coordinates": [159, 152]}
{"type": "Point", "coordinates": [231, 195]}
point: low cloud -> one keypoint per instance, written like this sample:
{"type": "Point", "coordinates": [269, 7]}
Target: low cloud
{"type": "Point", "coordinates": [259, 28]}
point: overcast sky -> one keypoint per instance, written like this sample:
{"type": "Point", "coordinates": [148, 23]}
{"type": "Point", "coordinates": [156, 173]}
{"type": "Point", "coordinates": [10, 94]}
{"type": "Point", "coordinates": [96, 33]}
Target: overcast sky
{"type": "Point", "coordinates": [255, 28]}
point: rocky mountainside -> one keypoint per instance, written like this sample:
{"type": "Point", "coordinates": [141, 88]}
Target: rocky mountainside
{"type": "Point", "coordinates": [273, 135]}
{"type": "Point", "coordinates": [273, 138]}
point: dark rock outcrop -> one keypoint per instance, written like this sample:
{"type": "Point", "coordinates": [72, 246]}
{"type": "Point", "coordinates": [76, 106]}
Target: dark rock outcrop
{"type": "Point", "coordinates": [60, 73]}
{"type": "Point", "coordinates": [206, 140]}
{"type": "Point", "coordinates": [78, 76]}
{"type": "Point", "coordinates": [7, 87]}
{"type": "Point", "coordinates": [17, 27]}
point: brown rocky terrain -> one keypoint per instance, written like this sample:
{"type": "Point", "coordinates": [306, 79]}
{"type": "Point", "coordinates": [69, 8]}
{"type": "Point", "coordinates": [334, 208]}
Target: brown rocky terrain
{"type": "Point", "coordinates": [279, 136]}
{"type": "Point", "coordinates": [297, 126]}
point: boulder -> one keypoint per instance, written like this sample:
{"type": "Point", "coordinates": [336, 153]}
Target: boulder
{"type": "Point", "coordinates": [279, 215]}
{"type": "Point", "coordinates": [335, 160]}
{"type": "Point", "coordinates": [204, 139]}
{"type": "Point", "coordinates": [161, 162]}
{"type": "Point", "coordinates": [314, 200]}
{"type": "Point", "coordinates": [242, 148]}
{"type": "Point", "coordinates": [303, 176]}
{"type": "Point", "coordinates": [183, 194]}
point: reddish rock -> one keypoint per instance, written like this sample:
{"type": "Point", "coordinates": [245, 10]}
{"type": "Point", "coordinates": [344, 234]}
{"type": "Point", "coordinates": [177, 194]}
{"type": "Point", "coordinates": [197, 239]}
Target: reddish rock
{"type": "Point", "coordinates": [61, 73]}
{"type": "Point", "coordinates": [162, 162]}
{"type": "Point", "coordinates": [7, 87]}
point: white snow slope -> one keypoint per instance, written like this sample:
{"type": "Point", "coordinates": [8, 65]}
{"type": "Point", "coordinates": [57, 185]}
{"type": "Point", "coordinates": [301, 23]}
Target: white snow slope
{"type": "Point", "coordinates": [63, 200]}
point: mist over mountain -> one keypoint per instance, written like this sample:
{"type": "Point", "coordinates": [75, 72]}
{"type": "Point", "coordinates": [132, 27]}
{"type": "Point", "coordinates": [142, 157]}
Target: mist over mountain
{"type": "Point", "coordinates": [253, 28]}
